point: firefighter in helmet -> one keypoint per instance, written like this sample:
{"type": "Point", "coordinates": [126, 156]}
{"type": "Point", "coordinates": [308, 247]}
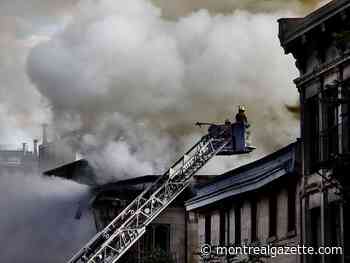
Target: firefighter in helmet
{"type": "Point", "coordinates": [240, 116]}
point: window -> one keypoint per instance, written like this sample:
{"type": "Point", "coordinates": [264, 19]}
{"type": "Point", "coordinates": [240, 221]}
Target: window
{"type": "Point", "coordinates": [162, 237]}
{"type": "Point", "coordinates": [149, 239]}
{"type": "Point", "coordinates": [291, 207]}
{"type": "Point", "coordinates": [346, 117]}
{"type": "Point", "coordinates": [157, 237]}
{"type": "Point", "coordinates": [237, 225]}
{"type": "Point", "coordinates": [253, 221]}
{"type": "Point", "coordinates": [222, 227]}
{"type": "Point", "coordinates": [273, 215]}
{"type": "Point", "coordinates": [311, 124]}
{"type": "Point", "coordinates": [330, 123]}
{"type": "Point", "coordinates": [207, 229]}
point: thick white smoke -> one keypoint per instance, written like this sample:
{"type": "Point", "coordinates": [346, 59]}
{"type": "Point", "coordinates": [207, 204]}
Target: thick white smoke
{"type": "Point", "coordinates": [21, 106]}
{"type": "Point", "coordinates": [122, 66]}
{"type": "Point", "coordinates": [37, 219]}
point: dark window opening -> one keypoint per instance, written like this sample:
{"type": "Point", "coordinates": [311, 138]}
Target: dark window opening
{"type": "Point", "coordinates": [238, 225]}
{"type": "Point", "coordinates": [312, 132]}
{"type": "Point", "coordinates": [149, 239]}
{"type": "Point", "coordinates": [346, 117]}
{"type": "Point", "coordinates": [162, 237]}
{"type": "Point", "coordinates": [273, 215]}
{"type": "Point", "coordinates": [222, 227]}
{"type": "Point", "coordinates": [207, 229]}
{"type": "Point", "coordinates": [254, 221]}
{"type": "Point", "coordinates": [157, 236]}
{"type": "Point", "coordinates": [291, 207]}
{"type": "Point", "coordinates": [330, 124]}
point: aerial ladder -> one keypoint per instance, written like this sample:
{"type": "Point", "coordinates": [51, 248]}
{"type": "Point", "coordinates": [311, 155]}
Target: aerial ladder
{"type": "Point", "coordinates": [118, 236]}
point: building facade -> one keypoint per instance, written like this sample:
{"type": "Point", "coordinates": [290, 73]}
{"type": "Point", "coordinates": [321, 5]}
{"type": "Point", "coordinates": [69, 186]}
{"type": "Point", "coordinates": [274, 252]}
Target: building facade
{"type": "Point", "coordinates": [19, 160]}
{"type": "Point", "coordinates": [253, 204]}
{"type": "Point", "coordinates": [166, 235]}
{"type": "Point", "coordinates": [40, 157]}
{"type": "Point", "coordinates": [320, 43]}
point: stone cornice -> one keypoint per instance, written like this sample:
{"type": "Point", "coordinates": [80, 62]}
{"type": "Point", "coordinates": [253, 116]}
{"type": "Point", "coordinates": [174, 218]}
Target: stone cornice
{"type": "Point", "coordinates": [322, 69]}
{"type": "Point", "coordinates": [317, 18]}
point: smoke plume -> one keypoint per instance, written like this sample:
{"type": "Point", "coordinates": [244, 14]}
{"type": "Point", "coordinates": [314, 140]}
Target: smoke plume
{"type": "Point", "coordinates": [37, 220]}
{"type": "Point", "coordinates": [134, 83]}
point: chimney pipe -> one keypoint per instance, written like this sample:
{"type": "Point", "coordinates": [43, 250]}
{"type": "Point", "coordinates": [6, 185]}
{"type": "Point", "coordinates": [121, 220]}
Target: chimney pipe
{"type": "Point", "coordinates": [24, 147]}
{"type": "Point", "coordinates": [35, 145]}
{"type": "Point", "coordinates": [45, 133]}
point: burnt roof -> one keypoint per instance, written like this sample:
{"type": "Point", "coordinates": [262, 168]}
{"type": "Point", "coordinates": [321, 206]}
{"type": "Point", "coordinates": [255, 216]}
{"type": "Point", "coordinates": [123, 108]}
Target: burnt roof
{"type": "Point", "coordinates": [80, 171]}
{"type": "Point", "coordinates": [131, 182]}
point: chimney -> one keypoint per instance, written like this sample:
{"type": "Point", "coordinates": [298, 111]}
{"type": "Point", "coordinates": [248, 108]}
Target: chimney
{"type": "Point", "coordinates": [45, 133]}
{"type": "Point", "coordinates": [24, 148]}
{"type": "Point", "coordinates": [35, 146]}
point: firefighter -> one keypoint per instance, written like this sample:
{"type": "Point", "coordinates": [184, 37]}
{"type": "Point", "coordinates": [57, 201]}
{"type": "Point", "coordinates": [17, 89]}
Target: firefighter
{"type": "Point", "coordinates": [240, 116]}
{"type": "Point", "coordinates": [228, 129]}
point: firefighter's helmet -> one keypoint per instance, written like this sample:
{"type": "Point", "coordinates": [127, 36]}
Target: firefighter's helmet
{"type": "Point", "coordinates": [241, 108]}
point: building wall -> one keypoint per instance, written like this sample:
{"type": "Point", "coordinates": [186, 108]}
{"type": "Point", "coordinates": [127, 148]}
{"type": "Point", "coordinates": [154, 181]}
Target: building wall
{"type": "Point", "coordinates": [175, 217]}
{"type": "Point", "coordinates": [282, 213]}
{"type": "Point", "coordinates": [232, 215]}
{"type": "Point", "coordinates": [283, 237]}
{"type": "Point", "coordinates": [18, 161]}
{"type": "Point", "coordinates": [322, 52]}
{"type": "Point", "coordinates": [215, 228]}
{"type": "Point", "coordinates": [263, 218]}
{"type": "Point", "coordinates": [201, 229]}
{"type": "Point", "coordinates": [318, 80]}
{"type": "Point", "coordinates": [193, 237]}
{"type": "Point", "coordinates": [245, 221]}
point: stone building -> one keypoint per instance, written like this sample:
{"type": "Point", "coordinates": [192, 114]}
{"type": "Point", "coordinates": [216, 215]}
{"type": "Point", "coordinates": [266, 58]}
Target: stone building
{"type": "Point", "coordinates": [320, 43]}
{"type": "Point", "coordinates": [19, 160]}
{"type": "Point", "coordinates": [38, 157]}
{"type": "Point", "coordinates": [255, 203]}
